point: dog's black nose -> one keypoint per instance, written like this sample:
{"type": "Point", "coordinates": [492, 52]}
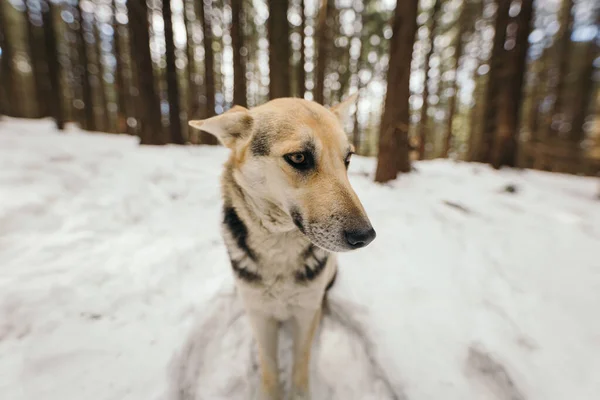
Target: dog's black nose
{"type": "Point", "coordinates": [358, 238]}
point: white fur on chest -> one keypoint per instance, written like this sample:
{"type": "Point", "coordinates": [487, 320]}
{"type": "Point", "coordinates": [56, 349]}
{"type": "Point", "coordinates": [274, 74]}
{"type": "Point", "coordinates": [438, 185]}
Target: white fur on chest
{"type": "Point", "coordinates": [280, 257]}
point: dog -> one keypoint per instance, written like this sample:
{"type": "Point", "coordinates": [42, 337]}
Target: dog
{"type": "Point", "coordinates": [288, 208]}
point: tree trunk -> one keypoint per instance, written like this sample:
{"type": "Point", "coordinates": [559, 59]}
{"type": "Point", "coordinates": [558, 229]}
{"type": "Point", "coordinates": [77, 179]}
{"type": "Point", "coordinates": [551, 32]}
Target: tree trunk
{"type": "Point", "coordinates": [172, 83]}
{"type": "Point", "coordinates": [585, 94]}
{"type": "Point", "coordinates": [102, 121]}
{"type": "Point", "coordinates": [323, 41]}
{"type": "Point", "coordinates": [483, 153]}
{"type": "Point", "coordinates": [10, 100]}
{"type": "Point", "coordinates": [89, 122]}
{"type": "Point", "coordinates": [301, 72]}
{"type": "Point", "coordinates": [511, 80]}
{"type": "Point", "coordinates": [209, 73]}
{"type": "Point", "coordinates": [37, 55]}
{"type": "Point", "coordinates": [557, 115]}
{"type": "Point", "coordinates": [123, 108]}
{"type": "Point", "coordinates": [239, 64]}
{"type": "Point", "coordinates": [462, 26]}
{"type": "Point", "coordinates": [151, 131]}
{"type": "Point", "coordinates": [425, 106]}
{"type": "Point", "coordinates": [55, 105]}
{"type": "Point", "coordinates": [279, 49]}
{"type": "Point", "coordinates": [393, 136]}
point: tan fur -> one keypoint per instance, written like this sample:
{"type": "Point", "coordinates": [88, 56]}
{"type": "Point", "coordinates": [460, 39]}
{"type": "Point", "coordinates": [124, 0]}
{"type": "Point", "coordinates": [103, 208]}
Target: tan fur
{"type": "Point", "coordinates": [282, 224]}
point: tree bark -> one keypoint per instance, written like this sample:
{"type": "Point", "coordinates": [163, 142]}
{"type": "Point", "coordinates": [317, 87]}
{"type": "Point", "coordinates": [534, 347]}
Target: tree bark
{"type": "Point", "coordinates": [425, 106]}
{"type": "Point", "coordinates": [301, 72]}
{"type": "Point", "coordinates": [511, 82]}
{"type": "Point", "coordinates": [462, 27]}
{"type": "Point", "coordinates": [172, 83]}
{"type": "Point", "coordinates": [323, 41]}
{"type": "Point", "coordinates": [563, 57]}
{"type": "Point", "coordinates": [393, 136]}
{"type": "Point", "coordinates": [239, 64]}
{"type": "Point", "coordinates": [151, 131]}
{"type": "Point", "coordinates": [483, 153]}
{"type": "Point", "coordinates": [102, 120]}
{"type": "Point", "coordinates": [585, 94]}
{"type": "Point", "coordinates": [37, 56]}
{"type": "Point", "coordinates": [10, 101]}
{"type": "Point", "coordinates": [89, 122]}
{"type": "Point", "coordinates": [209, 73]}
{"type": "Point", "coordinates": [123, 106]}
{"type": "Point", "coordinates": [55, 105]}
{"type": "Point", "coordinates": [279, 49]}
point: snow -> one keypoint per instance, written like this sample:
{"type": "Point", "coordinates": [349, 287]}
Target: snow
{"type": "Point", "coordinates": [114, 282]}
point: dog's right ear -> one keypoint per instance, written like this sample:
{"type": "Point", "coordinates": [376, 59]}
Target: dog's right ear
{"type": "Point", "coordinates": [229, 127]}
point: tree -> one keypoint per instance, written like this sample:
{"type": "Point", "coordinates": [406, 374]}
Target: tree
{"type": "Point", "coordinates": [393, 135]}
{"type": "Point", "coordinates": [9, 99]}
{"type": "Point", "coordinates": [89, 122]}
{"type": "Point", "coordinates": [279, 49]}
{"type": "Point", "coordinates": [151, 131]}
{"type": "Point", "coordinates": [462, 26]}
{"type": "Point", "coordinates": [483, 152]}
{"type": "Point", "coordinates": [585, 94]}
{"type": "Point", "coordinates": [424, 107]}
{"type": "Point", "coordinates": [562, 58]}
{"type": "Point", "coordinates": [37, 55]}
{"type": "Point", "coordinates": [55, 104]}
{"type": "Point", "coordinates": [98, 80]}
{"type": "Point", "coordinates": [301, 72]}
{"type": "Point", "coordinates": [510, 81]}
{"type": "Point", "coordinates": [172, 84]}
{"type": "Point", "coordinates": [209, 77]}
{"type": "Point", "coordinates": [323, 40]}
{"type": "Point", "coordinates": [237, 42]}
{"type": "Point", "coordinates": [124, 106]}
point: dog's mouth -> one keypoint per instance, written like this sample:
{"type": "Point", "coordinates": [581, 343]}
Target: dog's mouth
{"type": "Point", "coordinates": [338, 234]}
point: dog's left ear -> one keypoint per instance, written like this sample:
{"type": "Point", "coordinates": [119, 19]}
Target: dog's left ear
{"type": "Point", "coordinates": [229, 127]}
{"type": "Point", "coordinates": [342, 110]}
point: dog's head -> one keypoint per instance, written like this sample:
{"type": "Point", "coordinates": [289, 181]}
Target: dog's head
{"type": "Point", "coordinates": [294, 154]}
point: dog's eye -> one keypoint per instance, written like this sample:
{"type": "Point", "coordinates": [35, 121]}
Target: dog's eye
{"type": "Point", "coordinates": [302, 161]}
{"type": "Point", "coordinates": [347, 160]}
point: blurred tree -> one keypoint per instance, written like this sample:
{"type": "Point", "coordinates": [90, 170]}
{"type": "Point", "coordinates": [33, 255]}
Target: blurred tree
{"type": "Point", "coordinates": [193, 89]}
{"type": "Point", "coordinates": [56, 92]}
{"type": "Point", "coordinates": [151, 131]}
{"type": "Point", "coordinates": [124, 106]}
{"type": "Point", "coordinates": [510, 88]}
{"type": "Point", "coordinates": [301, 71]}
{"type": "Point", "coordinates": [463, 24]}
{"type": "Point", "coordinates": [98, 81]}
{"type": "Point", "coordinates": [172, 82]}
{"type": "Point", "coordinates": [279, 49]}
{"type": "Point", "coordinates": [424, 108]}
{"type": "Point", "coordinates": [558, 114]}
{"type": "Point", "coordinates": [483, 153]}
{"type": "Point", "coordinates": [323, 41]}
{"type": "Point", "coordinates": [9, 99]}
{"type": "Point", "coordinates": [37, 55]}
{"type": "Point", "coordinates": [205, 10]}
{"type": "Point", "coordinates": [393, 136]}
{"type": "Point", "coordinates": [88, 122]}
{"type": "Point", "coordinates": [237, 42]}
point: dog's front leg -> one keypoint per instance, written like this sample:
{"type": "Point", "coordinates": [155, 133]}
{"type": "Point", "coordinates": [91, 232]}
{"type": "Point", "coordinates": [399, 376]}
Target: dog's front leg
{"type": "Point", "coordinates": [306, 322]}
{"type": "Point", "coordinates": [266, 334]}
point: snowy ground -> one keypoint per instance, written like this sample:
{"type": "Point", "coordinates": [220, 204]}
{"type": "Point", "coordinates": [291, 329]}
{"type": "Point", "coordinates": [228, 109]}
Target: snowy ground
{"type": "Point", "coordinates": [114, 283]}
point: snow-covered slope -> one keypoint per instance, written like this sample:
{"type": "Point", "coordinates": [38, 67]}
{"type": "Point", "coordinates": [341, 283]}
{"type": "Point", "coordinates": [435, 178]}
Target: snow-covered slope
{"type": "Point", "coordinates": [114, 283]}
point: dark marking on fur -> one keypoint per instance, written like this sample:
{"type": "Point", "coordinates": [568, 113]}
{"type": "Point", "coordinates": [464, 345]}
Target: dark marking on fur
{"type": "Point", "coordinates": [243, 273]}
{"type": "Point", "coordinates": [260, 145]}
{"type": "Point", "coordinates": [309, 274]}
{"type": "Point", "coordinates": [331, 282]}
{"type": "Point", "coordinates": [297, 218]}
{"type": "Point", "coordinates": [238, 230]}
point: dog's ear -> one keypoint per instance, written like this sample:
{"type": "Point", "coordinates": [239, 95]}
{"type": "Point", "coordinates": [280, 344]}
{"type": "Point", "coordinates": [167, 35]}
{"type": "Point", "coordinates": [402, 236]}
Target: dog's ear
{"type": "Point", "coordinates": [229, 127]}
{"type": "Point", "coordinates": [342, 110]}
